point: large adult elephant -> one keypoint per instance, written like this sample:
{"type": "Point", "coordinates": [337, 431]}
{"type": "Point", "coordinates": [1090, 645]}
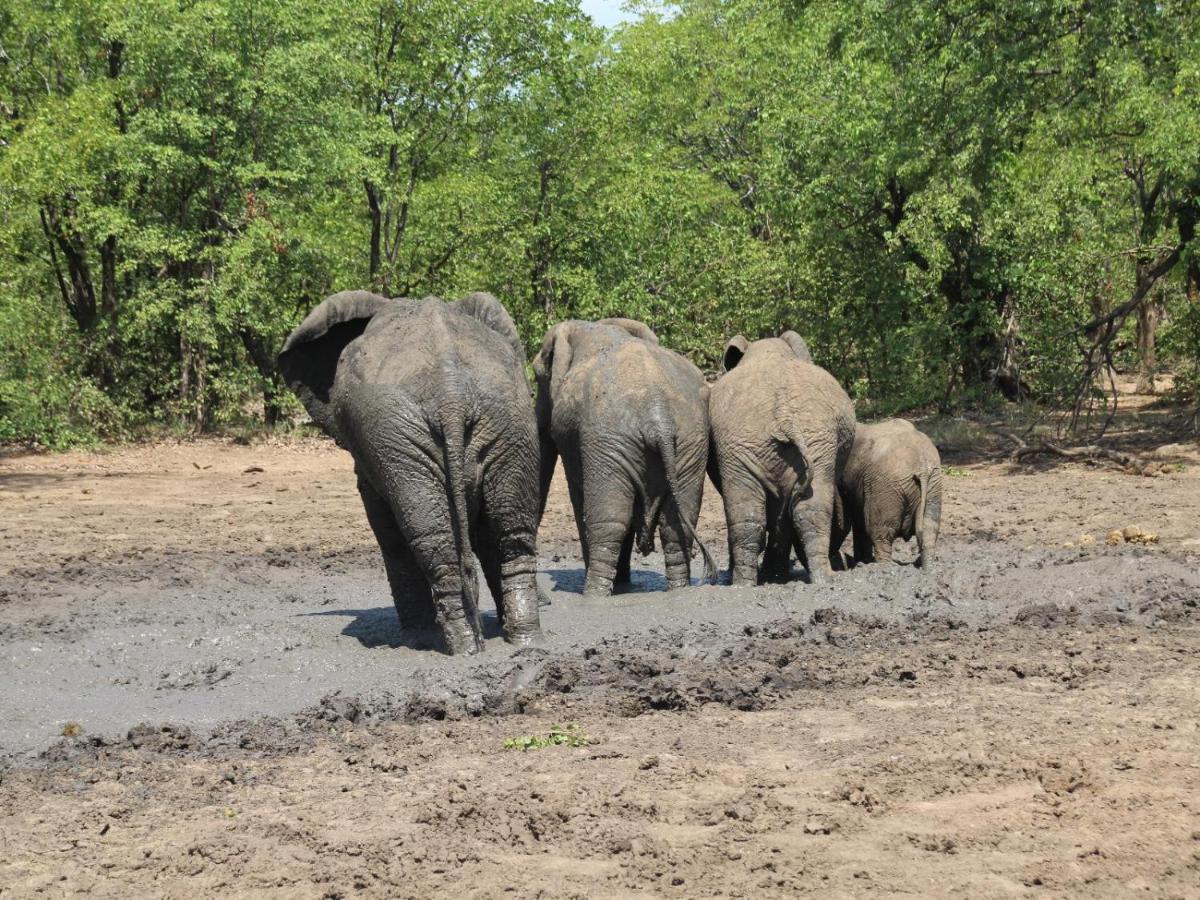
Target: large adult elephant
{"type": "Point", "coordinates": [782, 429]}
{"type": "Point", "coordinates": [432, 401]}
{"type": "Point", "coordinates": [891, 488]}
{"type": "Point", "coordinates": [630, 420]}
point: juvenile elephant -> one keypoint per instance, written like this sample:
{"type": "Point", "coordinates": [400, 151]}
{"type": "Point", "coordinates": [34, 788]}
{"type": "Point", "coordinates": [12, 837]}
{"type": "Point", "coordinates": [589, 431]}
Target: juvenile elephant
{"type": "Point", "coordinates": [630, 420]}
{"type": "Point", "coordinates": [432, 401]}
{"type": "Point", "coordinates": [782, 429]}
{"type": "Point", "coordinates": [891, 488]}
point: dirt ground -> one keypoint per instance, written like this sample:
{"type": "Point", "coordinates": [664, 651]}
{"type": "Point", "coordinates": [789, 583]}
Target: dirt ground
{"type": "Point", "coordinates": [205, 689]}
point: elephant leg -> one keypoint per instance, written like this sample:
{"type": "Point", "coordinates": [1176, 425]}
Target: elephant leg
{"type": "Point", "coordinates": [508, 551]}
{"type": "Point", "coordinates": [410, 589]}
{"type": "Point", "coordinates": [745, 520]}
{"type": "Point", "coordinates": [677, 548]}
{"type": "Point", "coordinates": [932, 524]}
{"type": "Point", "coordinates": [841, 527]}
{"type": "Point", "coordinates": [516, 584]}
{"type": "Point", "coordinates": [608, 517]}
{"type": "Point", "coordinates": [881, 547]}
{"type": "Point", "coordinates": [813, 520]}
{"type": "Point", "coordinates": [423, 517]}
{"type": "Point", "coordinates": [574, 472]}
{"type": "Point", "coordinates": [880, 529]}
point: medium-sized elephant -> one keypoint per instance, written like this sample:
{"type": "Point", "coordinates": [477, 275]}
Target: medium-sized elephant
{"type": "Point", "coordinates": [630, 420]}
{"type": "Point", "coordinates": [891, 488]}
{"type": "Point", "coordinates": [432, 401]}
{"type": "Point", "coordinates": [782, 429]}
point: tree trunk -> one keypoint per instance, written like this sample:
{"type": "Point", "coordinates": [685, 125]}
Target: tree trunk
{"type": "Point", "coordinates": [538, 253]}
{"type": "Point", "coordinates": [376, 229]}
{"type": "Point", "coordinates": [264, 361]}
{"type": "Point", "coordinates": [1147, 325]}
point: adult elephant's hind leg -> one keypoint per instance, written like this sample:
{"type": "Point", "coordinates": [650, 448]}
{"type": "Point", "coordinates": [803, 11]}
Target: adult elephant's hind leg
{"type": "Point", "coordinates": [813, 520]}
{"type": "Point", "coordinates": [423, 518]}
{"type": "Point", "coordinates": [677, 548]}
{"type": "Point", "coordinates": [624, 577]}
{"type": "Point", "coordinates": [508, 544]}
{"type": "Point", "coordinates": [745, 520]}
{"type": "Point", "coordinates": [607, 519]}
{"type": "Point", "coordinates": [409, 587]}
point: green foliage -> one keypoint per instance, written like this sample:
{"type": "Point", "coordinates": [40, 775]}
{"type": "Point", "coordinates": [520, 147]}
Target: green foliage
{"type": "Point", "coordinates": [939, 196]}
{"type": "Point", "coordinates": [559, 735]}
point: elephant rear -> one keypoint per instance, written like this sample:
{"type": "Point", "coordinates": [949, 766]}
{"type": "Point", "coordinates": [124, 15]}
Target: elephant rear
{"type": "Point", "coordinates": [431, 400]}
{"type": "Point", "coordinates": [631, 423]}
{"type": "Point", "coordinates": [892, 488]}
{"type": "Point", "coordinates": [782, 429]}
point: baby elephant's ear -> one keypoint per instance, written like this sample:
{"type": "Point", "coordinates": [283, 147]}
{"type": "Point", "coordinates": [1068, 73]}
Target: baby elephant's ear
{"type": "Point", "coordinates": [309, 358]}
{"type": "Point", "coordinates": [734, 351]}
{"type": "Point", "coordinates": [638, 329]}
{"type": "Point", "coordinates": [797, 344]}
{"type": "Point", "coordinates": [491, 312]}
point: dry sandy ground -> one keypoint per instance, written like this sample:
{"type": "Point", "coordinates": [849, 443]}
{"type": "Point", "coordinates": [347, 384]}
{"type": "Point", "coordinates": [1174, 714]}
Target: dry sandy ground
{"type": "Point", "coordinates": [1026, 720]}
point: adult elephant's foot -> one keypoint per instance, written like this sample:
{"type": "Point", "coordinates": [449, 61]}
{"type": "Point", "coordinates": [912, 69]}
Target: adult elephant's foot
{"type": "Point", "coordinates": [526, 638]}
{"type": "Point", "coordinates": [520, 600]}
{"type": "Point", "coordinates": [460, 638]}
{"type": "Point", "coordinates": [543, 597]}
{"type": "Point", "coordinates": [818, 576]}
{"type": "Point", "coordinates": [744, 576]}
{"type": "Point", "coordinates": [597, 587]}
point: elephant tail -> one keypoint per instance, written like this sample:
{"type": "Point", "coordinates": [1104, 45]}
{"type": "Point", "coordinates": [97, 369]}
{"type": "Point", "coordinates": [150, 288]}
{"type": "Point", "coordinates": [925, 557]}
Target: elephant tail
{"type": "Point", "coordinates": [786, 432]}
{"type": "Point", "coordinates": [454, 457]}
{"type": "Point", "coordinates": [922, 479]}
{"type": "Point", "coordinates": [664, 439]}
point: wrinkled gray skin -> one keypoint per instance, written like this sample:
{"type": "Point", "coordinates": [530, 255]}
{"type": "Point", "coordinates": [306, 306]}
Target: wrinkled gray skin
{"type": "Point", "coordinates": [782, 429]}
{"type": "Point", "coordinates": [432, 401]}
{"type": "Point", "coordinates": [891, 488]}
{"type": "Point", "coordinates": [630, 420]}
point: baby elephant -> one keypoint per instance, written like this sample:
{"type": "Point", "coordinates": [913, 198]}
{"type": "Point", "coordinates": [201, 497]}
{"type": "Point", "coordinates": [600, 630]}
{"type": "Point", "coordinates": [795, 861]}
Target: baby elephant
{"type": "Point", "coordinates": [891, 488]}
{"type": "Point", "coordinates": [432, 401]}
{"type": "Point", "coordinates": [630, 420]}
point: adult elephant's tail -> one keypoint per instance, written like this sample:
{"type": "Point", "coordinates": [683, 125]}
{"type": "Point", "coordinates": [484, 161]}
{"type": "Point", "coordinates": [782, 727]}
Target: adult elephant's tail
{"type": "Point", "coordinates": [663, 436]}
{"type": "Point", "coordinates": [787, 432]}
{"type": "Point", "coordinates": [454, 458]}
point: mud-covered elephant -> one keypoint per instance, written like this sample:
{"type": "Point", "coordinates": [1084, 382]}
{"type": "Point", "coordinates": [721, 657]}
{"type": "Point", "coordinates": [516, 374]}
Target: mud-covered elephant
{"type": "Point", "coordinates": [432, 401]}
{"type": "Point", "coordinates": [890, 488]}
{"type": "Point", "coordinates": [782, 429]}
{"type": "Point", "coordinates": [630, 420]}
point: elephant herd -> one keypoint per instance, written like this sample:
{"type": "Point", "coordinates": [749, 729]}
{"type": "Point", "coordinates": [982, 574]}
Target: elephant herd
{"type": "Point", "coordinates": [454, 463]}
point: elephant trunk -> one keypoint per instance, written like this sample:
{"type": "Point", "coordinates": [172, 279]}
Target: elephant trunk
{"type": "Point", "coordinates": [665, 440]}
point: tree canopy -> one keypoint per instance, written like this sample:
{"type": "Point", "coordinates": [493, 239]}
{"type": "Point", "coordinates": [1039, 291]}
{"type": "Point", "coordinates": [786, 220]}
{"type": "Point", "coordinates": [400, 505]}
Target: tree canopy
{"type": "Point", "coordinates": [950, 199]}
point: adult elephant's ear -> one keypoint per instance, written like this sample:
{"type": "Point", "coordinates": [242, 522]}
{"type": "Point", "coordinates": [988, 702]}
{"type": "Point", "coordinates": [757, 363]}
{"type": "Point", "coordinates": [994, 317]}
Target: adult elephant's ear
{"type": "Point", "coordinates": [309, 358]}
{"type": "Point", "coordinates": [797, 344]}
{"type": "Point", "coordinates": [491, 312]}
{"type": "Point", "coordinates": [554, 359]}
{"type": "Point", "coordinates": [734, 351]}
{"type": "Point", "coordinates": [638, 329]}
